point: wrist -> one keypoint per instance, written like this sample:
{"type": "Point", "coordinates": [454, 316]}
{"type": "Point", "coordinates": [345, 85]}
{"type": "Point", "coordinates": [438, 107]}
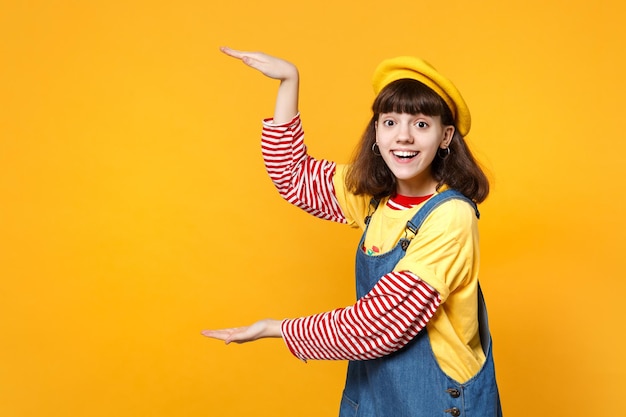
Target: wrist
{"type": "Point", "coordinates": [291, 75]}
{"type": "Point", "coordinates": [272, 328]}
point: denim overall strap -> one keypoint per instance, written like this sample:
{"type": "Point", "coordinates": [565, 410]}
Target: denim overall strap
{"type": "Point", "coordinates": [431, 204]}
{"type": "Point", "coordinates": [409, 382]}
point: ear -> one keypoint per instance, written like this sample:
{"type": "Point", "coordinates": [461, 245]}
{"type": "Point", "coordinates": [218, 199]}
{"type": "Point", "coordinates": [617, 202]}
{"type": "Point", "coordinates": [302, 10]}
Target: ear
{"type": "Point", "coordinates": [448, 134]}
{"type": "Point", "coordinates": [376, 130]}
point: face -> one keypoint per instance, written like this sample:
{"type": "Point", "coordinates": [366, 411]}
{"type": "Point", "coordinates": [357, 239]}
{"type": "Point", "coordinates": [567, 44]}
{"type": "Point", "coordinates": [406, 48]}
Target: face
{"type": "Point", "coordinates": [408, 144]}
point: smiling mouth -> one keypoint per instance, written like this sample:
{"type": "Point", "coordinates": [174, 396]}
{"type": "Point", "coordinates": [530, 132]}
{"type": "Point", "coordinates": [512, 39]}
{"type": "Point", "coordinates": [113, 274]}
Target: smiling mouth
{"type": "Point", "coordinates": [405, 154]}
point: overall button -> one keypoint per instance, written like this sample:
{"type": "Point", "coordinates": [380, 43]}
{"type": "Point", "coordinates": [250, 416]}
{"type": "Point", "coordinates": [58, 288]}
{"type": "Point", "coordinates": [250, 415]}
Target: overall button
{"type": "Point", "coordinates": [454, 393]}
{"type": "Point", "coordinates": [454, 412]}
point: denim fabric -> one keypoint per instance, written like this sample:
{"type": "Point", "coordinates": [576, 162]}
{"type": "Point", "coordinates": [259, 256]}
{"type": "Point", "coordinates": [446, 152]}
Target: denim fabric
{"type": "Point", "coordinates": [409, 382]}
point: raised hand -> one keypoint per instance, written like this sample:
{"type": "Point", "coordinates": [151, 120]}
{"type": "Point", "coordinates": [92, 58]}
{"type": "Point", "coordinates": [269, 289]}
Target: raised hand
{"type": "Point", "coordinates": [270, 66]}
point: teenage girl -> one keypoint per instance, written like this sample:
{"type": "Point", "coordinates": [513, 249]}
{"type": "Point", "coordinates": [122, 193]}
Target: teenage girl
{"type": "Point", "coordinates": [417, 337]}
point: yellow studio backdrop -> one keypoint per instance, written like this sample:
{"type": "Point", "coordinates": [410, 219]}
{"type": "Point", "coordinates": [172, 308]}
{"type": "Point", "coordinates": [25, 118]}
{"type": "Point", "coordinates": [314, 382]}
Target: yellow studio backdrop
{"type": "Point", "coordinates": [135, 210]}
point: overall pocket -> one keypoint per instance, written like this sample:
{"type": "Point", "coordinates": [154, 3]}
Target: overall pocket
{"type": "Point", "coordinates": [348, 408]}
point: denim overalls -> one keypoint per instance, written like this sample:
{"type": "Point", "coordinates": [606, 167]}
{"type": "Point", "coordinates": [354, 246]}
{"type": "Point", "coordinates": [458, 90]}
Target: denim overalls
{"type": "Point", "coordinates": [409, 382]}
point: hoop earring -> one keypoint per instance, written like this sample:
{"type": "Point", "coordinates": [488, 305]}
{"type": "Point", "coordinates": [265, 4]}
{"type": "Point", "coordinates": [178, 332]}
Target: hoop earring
{"type": "Point", "coordinates": [375, 149]}
{"type": "Point", "coordinates": [443, 156]}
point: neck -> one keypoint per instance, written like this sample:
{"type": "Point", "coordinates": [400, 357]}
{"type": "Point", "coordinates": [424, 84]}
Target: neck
{"type": "Point", "coordinates": [411, 189]}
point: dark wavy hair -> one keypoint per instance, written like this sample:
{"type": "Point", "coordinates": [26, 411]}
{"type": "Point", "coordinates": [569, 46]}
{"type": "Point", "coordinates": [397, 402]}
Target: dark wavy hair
{"type": "Point", "coordinates": [368, 174]}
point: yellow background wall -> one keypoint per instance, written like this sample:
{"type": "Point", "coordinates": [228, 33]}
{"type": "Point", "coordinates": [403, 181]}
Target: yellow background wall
{"type": "Point", "coordinates": [135, 211]}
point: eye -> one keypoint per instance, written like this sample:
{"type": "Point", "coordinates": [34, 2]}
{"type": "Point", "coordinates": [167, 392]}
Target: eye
{"type": "Point", "coordinates": [421, 124]}
{"type": "Point", "coordinates": [388, 123]}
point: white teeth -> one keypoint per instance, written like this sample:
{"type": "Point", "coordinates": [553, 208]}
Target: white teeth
{"type": "Point", "coordinates": [404, 154]}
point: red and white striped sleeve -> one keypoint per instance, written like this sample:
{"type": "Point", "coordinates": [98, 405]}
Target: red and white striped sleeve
{"type": "Point", "coordinates": [380, 323]}
{"type": "Point", "coordinates": [300, 179]}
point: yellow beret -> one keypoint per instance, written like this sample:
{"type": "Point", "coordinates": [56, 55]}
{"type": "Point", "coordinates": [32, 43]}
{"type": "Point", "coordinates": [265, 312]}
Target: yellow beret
{"type": "Point", "coordinates": [417, 69]}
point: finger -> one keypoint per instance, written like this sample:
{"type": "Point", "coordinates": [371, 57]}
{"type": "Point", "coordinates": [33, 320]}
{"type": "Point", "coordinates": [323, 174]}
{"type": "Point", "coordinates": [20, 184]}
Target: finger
{"type": "Point", "coordinates": [235, 53]}
{"type": "Point", "coordinates": [230, 52]}
{"type": "Point", "coordinates": [251, 59]}
{"type": "Point", "coordinates": [221, 334]}
{"type": "Point", "coordinates": [238, 335]}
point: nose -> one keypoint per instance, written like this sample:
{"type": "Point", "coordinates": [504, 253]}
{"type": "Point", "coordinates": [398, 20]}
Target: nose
{"type": "Point", "coordinates": [404, 133]}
